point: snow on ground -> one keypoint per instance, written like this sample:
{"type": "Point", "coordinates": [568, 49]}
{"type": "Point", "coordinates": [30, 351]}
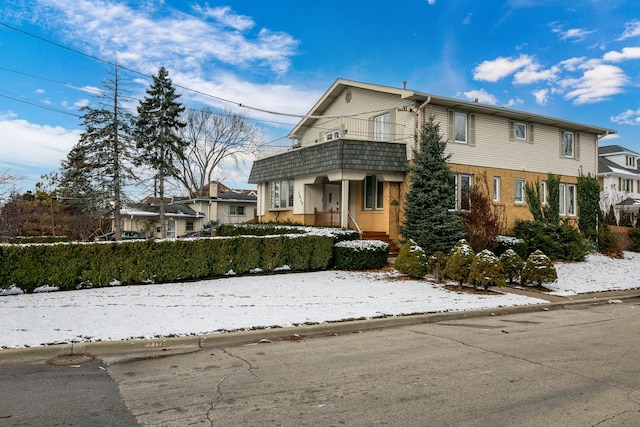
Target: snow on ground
{"type": "Point", "coordinates": [162, 310]}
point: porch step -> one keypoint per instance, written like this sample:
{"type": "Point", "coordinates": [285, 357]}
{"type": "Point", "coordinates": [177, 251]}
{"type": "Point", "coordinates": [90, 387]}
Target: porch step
{"type": "Point", "coordinates": [384, 237]}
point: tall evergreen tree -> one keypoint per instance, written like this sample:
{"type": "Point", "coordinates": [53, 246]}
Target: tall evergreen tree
{"type": "Point", "coordinates": [588, 204]}
{"type": "Point", "coordinates": [157, 134]}
{"type": "Point", "coordinates": [100, 164]}
{"type": "Point", "coordinates": [429, 216]}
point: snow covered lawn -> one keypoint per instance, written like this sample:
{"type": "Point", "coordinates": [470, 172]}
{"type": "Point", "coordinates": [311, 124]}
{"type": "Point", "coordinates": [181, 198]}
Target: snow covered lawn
{"type": "Point", "coordinates": [129, 312]}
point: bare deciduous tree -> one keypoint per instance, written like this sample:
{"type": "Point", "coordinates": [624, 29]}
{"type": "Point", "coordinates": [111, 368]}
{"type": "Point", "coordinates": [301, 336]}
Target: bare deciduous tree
{"type": "Point", "coordinates": [212, 139]}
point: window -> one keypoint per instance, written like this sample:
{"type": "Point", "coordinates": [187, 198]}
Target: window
{"type": "Point", "coordinates": [571, 200]}
{"type": "Point", "coordinates": [281, 194]}
{"type": "Point", "coordinates": [630, 161]}
{"type": "Point", "coordinates": [543, 191]}
{"type": "Point", "coordinates": [331, 135]}
{"type": "Point", "coordinates": [236, 210]}
{"type": "Point", "coordinates": [568, 144]}
{"type": "Point", "coordinates": [563, 204]}
{"type": "Point", "coordinates": [626, 185]}
{"type": "Point", "coordinates": [519, 191]}
{"type": "Point", "coordinates": [373, 193]}
{"type": "Point", "coordinates": [496, 188]}
{"type": "Point", "coordinates": [189, 225]}
{"type": "Point", "coordinates": [381, 130]}
{"type": "Point", "coordinates": [461, 127]}
{"type": "Point", "coordinates": [462, 185]}
{"type": "Point", "coordinates": [520, 131]}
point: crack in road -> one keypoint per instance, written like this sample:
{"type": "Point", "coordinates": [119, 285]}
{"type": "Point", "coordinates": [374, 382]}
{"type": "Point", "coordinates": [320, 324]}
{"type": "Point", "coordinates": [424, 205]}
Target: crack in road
{"type": "Point", "coordinates": [619, 387]}
{"type": "Point", "coordinates": [220, 393]}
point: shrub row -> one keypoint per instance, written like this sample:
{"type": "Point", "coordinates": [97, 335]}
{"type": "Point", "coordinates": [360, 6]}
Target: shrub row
{"type": "Point", "coordinates": [69, 266]}
{"type": "Point", "coordinates": [480, 270]}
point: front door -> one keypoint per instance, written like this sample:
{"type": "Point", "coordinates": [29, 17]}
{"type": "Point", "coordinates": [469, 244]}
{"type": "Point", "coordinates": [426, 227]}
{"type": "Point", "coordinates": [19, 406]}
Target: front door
{"type": "Point", "coordinates": [331, 197]}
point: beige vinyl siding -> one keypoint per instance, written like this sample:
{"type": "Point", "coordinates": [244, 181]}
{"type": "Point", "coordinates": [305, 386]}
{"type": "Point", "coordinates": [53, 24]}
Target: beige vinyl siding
{"type": "Point", "coordinates": [494, 149]}
{"type": "Point", "coordinates": [360, 127]}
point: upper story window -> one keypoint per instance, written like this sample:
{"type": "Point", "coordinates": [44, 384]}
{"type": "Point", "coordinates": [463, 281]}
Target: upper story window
{"type": "Point", "coordinates": [331, 135]}
{"type": "Point", "coordinates": [520, 131]}
{"type": "Point", "coordinates": [381, 127]}
{"type": "Point", "coordinates": [461, 127]}
{"type": "Point", "coordinates": [569, 145]}
{"type": "Point", "coordinates": [630, 161]}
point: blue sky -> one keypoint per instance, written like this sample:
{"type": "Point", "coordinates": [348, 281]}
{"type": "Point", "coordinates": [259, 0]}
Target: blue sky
{"type": "Point", "coordinates": [577, 60]}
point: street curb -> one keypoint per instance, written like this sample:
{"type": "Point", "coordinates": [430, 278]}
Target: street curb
{"type": "Point", "coordinates": [150, 348]}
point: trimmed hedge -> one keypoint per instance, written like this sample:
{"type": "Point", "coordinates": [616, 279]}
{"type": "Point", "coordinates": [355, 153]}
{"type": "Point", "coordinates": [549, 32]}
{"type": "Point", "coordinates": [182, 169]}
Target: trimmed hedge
{"type": "Point", "coordinates": [69, 266]}
{"type": "Point", "coordinates": [361, 254]}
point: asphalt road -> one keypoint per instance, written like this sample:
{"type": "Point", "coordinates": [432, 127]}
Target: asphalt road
{"type": "Point", "coordinates": [578, 366]}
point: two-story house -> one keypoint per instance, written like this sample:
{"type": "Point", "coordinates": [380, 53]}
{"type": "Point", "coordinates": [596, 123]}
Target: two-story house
{"type": "Point", "coordinates": [619, 176]}
{"type": "Point", "coordinates": [349, 164]}
{"type": "Point", "coordinates": [216, 202]}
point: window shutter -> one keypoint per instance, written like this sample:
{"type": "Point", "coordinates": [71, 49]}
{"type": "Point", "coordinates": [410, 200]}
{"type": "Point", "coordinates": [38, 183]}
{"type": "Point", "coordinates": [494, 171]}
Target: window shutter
{"type": "Point", "coordinates": [561, 143]}
{"type": "Point", "coordinates": [451, 126]}
{"type": "Point", "coordinates": [512, 130]}
{"type": "Point", "coordinates": [472, 129]}
{"type": "Point", "coordinates": [531, 133]}
{"type": "Point", "coordinates": [576, 146]}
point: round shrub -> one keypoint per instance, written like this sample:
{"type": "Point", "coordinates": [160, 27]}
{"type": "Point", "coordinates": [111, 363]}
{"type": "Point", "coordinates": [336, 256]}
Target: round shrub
{"type": "Point", "coordinates": [361, 254]}
{"type": "Point", "coordinates": [411, 260]}
{"type": "Point", "coordinates": [486, 270]}
{"type": "Point", "coordinates": [512, 265]}
{"type": "Point", "coordinates": [538, 270]}
{"type": "Point", "coordinates": [459, 262]}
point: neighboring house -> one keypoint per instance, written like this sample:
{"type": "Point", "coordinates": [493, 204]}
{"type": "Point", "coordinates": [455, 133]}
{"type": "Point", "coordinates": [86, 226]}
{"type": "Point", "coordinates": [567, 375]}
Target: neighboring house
{"type": "Point", "coordinates": [183, 215]}
{"type": "Point", "coordinates": [619, 176]}
{"type": "Point", "coordinates": [349, 164]}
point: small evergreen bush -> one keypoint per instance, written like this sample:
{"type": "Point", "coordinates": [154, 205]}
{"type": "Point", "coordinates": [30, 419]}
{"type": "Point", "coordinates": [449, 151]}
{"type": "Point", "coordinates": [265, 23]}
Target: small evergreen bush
{"type": "Point", "coordinates": [609, 242]}
{"type": "Point", "coordinates": [634, 235]}
{"type": "Point", "coordinates": [538, 270]}
{"type": "Point", "coordinates": [512, 265]}
{"type": "Point", "coordinates": [559, 241]}
{"type": "Point", "coordinates": [459, 262]}
{"type": "Point", "coordinates": [360, 254]}
{"type": "Point", "coordinates": [411, 260]}
{"type": "Point", "coordinates": [486, 270]}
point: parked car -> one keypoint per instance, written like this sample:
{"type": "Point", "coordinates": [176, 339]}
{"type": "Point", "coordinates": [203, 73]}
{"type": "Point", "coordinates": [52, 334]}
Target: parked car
{"type": "Point", "coordinates": [194, 234]}
{"type": "Point", "coordinates": [126, 235]}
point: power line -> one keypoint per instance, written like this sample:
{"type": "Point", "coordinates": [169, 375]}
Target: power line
{"type": "Point", "coordinates": [239, 104]}
{"type": "Point", "coordinates": [24, 101]}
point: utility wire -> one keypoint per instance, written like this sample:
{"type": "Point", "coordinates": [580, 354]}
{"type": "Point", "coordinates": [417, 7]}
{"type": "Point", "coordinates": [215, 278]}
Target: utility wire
{"type": "Point", "coordinates": [239, 104]}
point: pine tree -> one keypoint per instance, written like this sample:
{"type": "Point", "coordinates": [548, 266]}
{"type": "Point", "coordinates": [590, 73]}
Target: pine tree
{"type": "Point", "coordinates": [459, 262]}
{"type": "Point", "coordinates": [486, 270]}
{"type": "Point", "coordinates": [588, 204]}
{"type": "Point", "coordinates": [157, 134]}
{"type": "Point", "coordinates": [99, 166]}
{"type": "Point", "coordinates": [429, 218]}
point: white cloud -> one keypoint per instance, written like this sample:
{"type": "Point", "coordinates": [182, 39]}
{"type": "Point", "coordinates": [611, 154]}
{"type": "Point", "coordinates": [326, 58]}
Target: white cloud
{"type": "Point", "coordinates": [627, 117]}
{"type": "Point", "coordinates": [178, 41]}
{"type": "Point", "coordinates": [598, 83]}
{"type": "Point", "coordinates": [627, 53]}
{"type": "Point", "coordinates": [573, 64]}
{"type": "Point", "coordinates": [542, 96]}
{"type": "Point", "coordinates": [631, 29]}
{"type": "Point", "coordinates": [39, 91]}
{"type": "Point", "coordinates": [34, 145]}
{"type": "Point", "coordinates": [431, 2]}
{"type": "Point", "coordinates": [501, 67]}
{"type": "Point", "coordinates": [532, 74]}
{"type": "Point", "coordinates": [513, 102]}
{"type": "Point", "coordinates": [467, 20]}
{"type": "Point", "coordinates": [482, 96]}
{"type": "Point", "coordinates": [575, 34]}
{"type": "Point", "coordinates": [81, 103]}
